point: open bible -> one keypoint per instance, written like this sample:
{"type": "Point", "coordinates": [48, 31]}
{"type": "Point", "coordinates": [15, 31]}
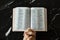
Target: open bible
{"type": "Point", "coordinates": [25, 17]}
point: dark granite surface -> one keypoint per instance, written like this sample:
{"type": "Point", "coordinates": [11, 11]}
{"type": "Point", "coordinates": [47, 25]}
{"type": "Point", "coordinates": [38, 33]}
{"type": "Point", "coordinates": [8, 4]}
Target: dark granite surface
{"type": "Point", "coordinates": [53, 17]}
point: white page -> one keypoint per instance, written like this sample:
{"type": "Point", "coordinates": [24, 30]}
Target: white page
{"type": "Point", "coordinates": [39, 19]}
{"type": "Point", "coordinates": [21, 18]}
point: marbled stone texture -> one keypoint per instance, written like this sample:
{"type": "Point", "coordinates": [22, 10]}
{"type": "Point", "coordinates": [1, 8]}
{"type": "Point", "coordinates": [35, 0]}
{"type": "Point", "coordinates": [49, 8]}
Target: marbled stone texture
{"type": "Point", "coordinates": [53, 18]}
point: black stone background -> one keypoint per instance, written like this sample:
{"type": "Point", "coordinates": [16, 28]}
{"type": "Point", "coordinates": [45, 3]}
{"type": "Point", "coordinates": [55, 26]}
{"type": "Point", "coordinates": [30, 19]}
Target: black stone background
{"type": "Point", "coordinates": [53, 18]}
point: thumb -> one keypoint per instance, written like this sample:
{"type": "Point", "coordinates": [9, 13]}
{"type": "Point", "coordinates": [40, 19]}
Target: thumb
{"type": "Point", "coordinates": [30, 38]}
